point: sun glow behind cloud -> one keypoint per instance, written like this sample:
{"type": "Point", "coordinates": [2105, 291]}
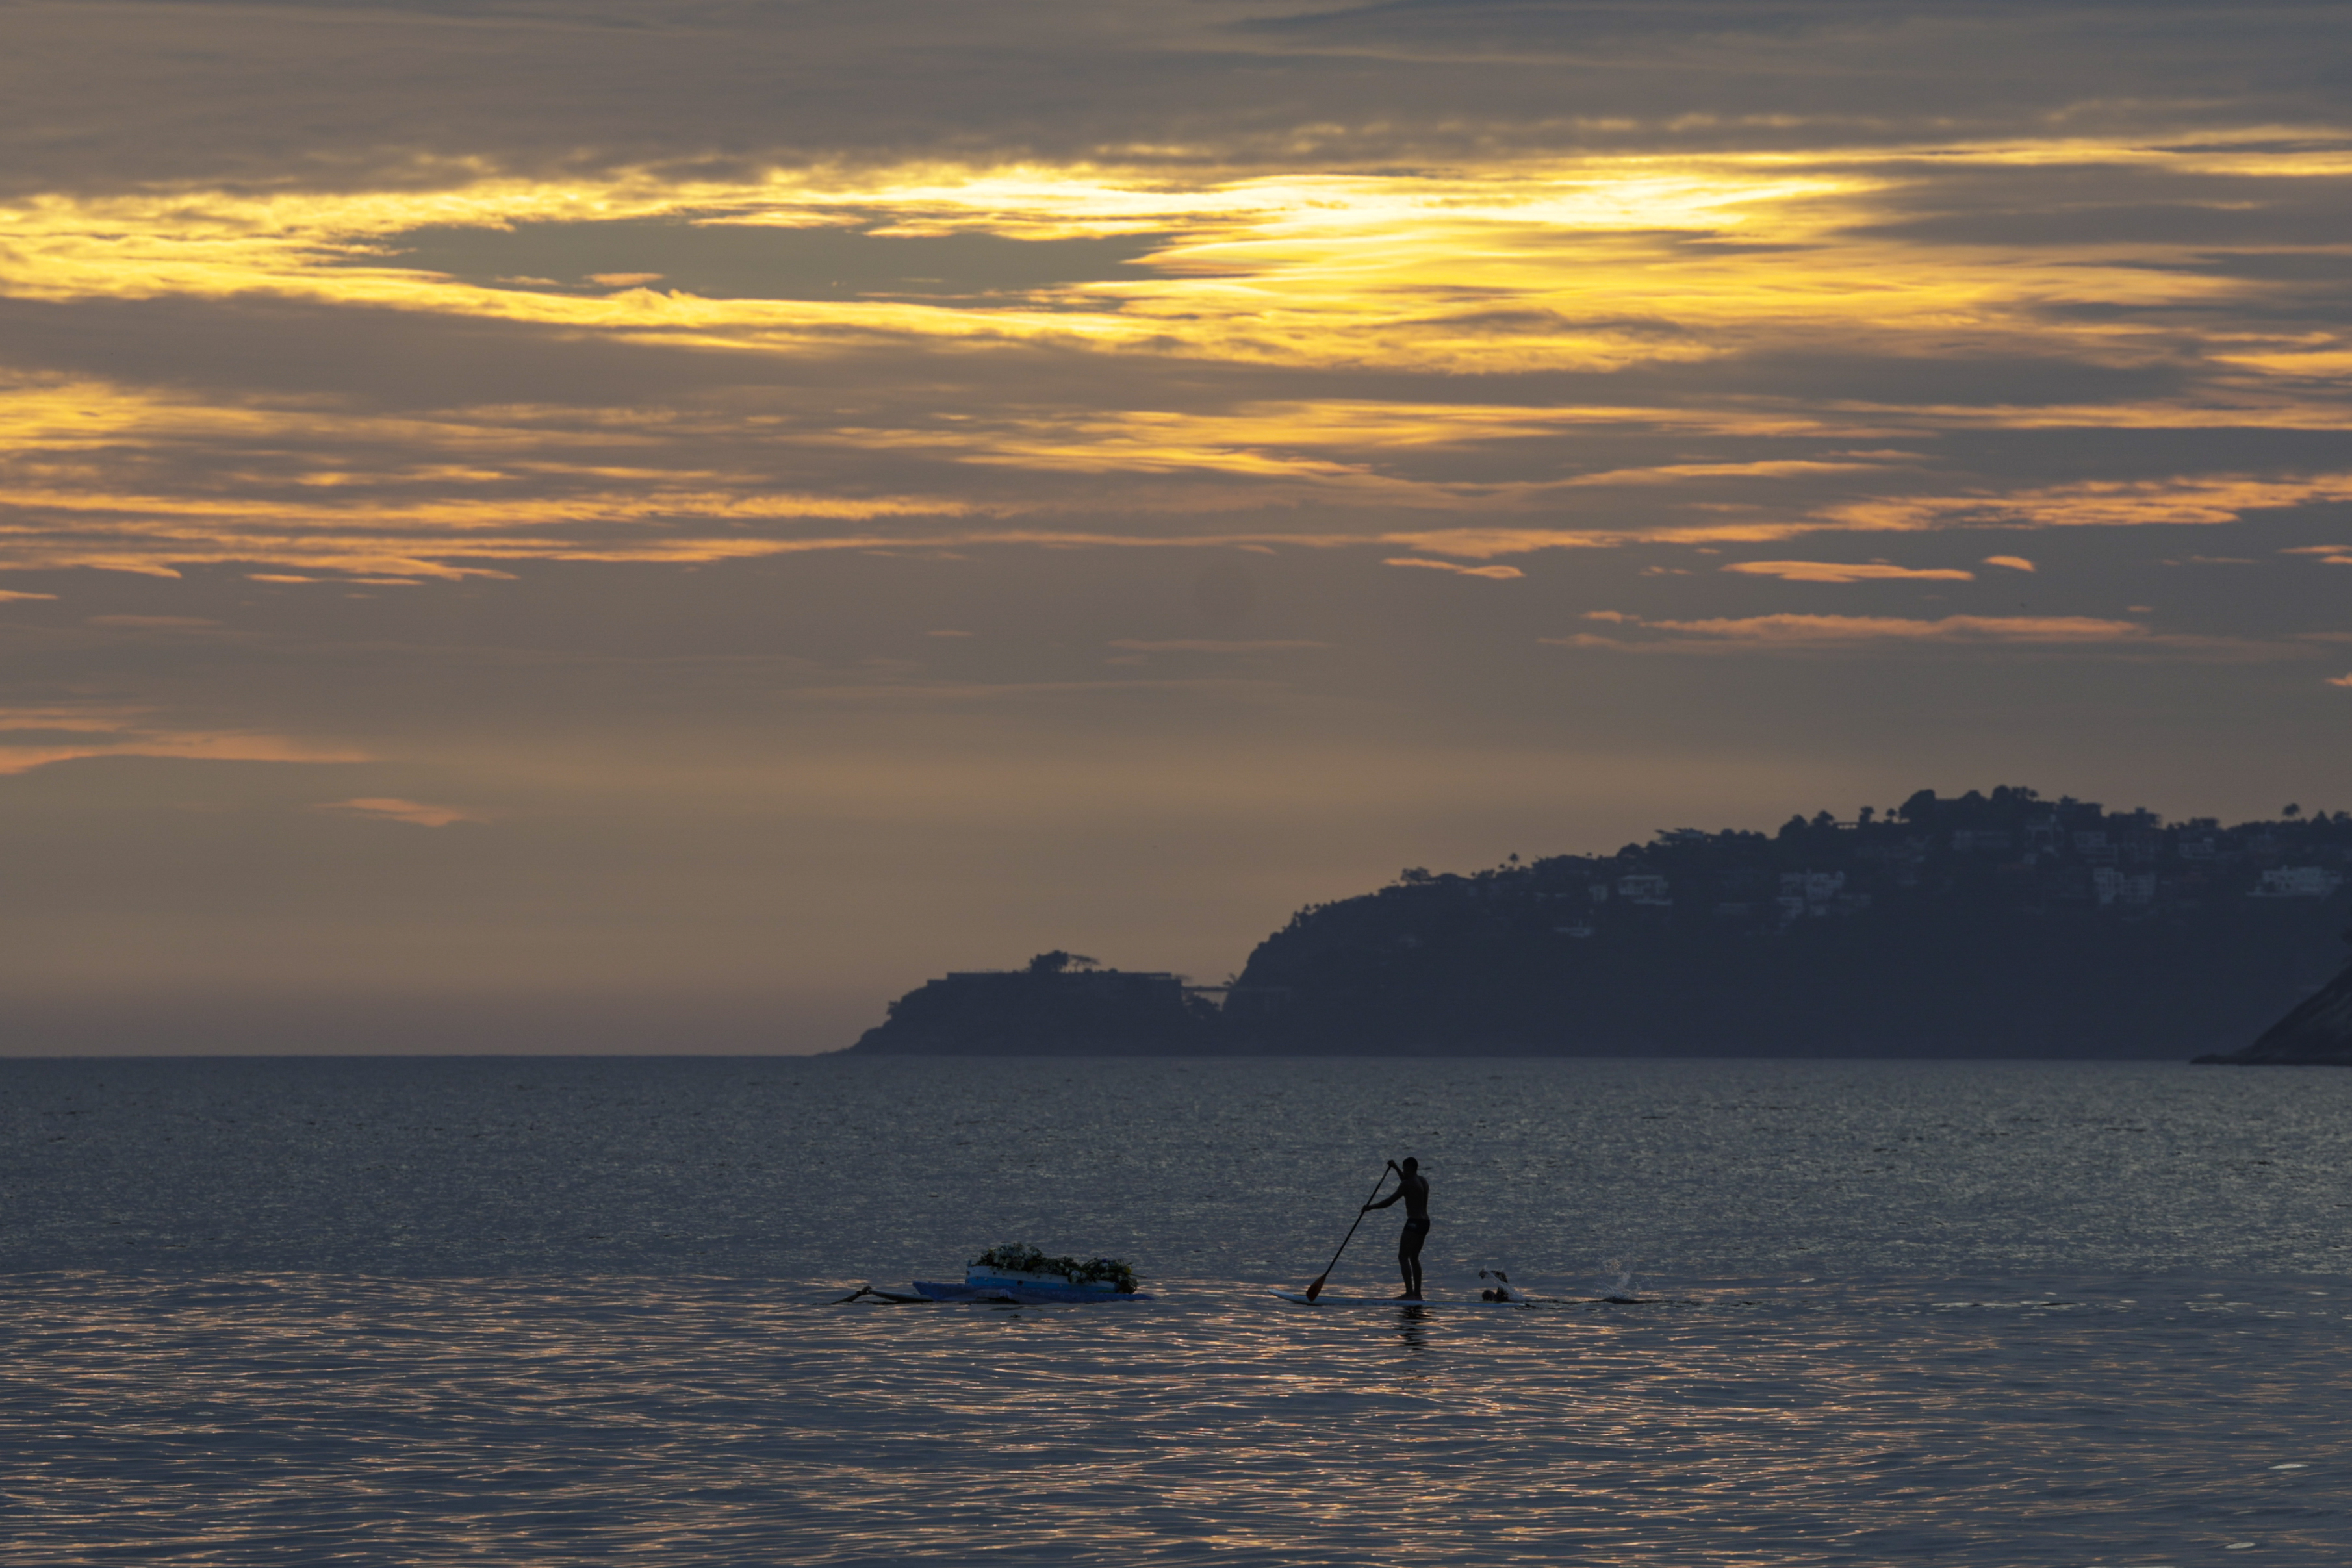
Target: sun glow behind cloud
{"type": "Point", "coordinates": [1119, 447]}
{"type": "Point", "coordinates": [1619, 271]}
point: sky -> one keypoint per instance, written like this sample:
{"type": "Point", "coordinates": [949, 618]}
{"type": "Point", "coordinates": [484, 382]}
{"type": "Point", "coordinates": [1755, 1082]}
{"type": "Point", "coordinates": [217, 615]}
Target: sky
{"type": "Point", "coordinates": [562, 526]}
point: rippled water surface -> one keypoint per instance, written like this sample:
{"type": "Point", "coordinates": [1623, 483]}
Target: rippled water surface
{"type": "Point", "coordinates": [535, 1311]}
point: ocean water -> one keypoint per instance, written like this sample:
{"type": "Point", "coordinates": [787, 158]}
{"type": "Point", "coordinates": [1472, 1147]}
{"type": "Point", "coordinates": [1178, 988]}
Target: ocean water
{"type": "Point", "coordinates": [549, 1311]}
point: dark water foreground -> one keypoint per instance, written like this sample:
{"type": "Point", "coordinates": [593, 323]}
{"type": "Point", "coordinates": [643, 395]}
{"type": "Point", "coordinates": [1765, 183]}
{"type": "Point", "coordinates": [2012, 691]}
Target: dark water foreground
{"type": "Point", "coordinates": [570, 1311]}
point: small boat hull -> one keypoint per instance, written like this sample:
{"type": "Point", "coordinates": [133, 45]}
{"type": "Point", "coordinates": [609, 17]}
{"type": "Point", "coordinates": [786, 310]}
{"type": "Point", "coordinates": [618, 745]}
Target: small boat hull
{"type": "Point", "coordinates": [1025, 1293]}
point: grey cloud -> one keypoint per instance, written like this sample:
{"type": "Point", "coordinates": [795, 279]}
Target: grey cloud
{"type": "Point", "coordinates": [738, 261]}
{"type": "Point", "coordinates": [2330, 267]}
{"type": "Point", "coordinates": [359, 356]}
{"type": "Point", "coordinates": [2318, 221]}
{"type": "Point", "coordinates": [379, 358]}
{"type": "Point", "coordinates": [703, 777]}
{"type": "Point", "coordinates": [394, 359]}
{"type": "Point", "coordinates": [2027, 458]}
{"type": "Point", "coordinates": [106, 96]}
{"type": "Point", "coordinates": [1959, 378]}
{"type": "Point", "coordinates": [2090, 203]}
{"type": "Point", "coordinates": [764, 421]}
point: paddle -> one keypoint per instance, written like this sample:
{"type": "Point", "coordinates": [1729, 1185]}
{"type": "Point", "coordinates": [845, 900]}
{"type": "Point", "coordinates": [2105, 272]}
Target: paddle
{"type": "Point", "coordinates": [1315, 1289]}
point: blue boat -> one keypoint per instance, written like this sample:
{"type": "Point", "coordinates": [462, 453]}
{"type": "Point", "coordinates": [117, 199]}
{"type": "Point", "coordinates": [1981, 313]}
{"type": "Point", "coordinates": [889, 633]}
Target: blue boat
{"type": "Point", "coordinates": [981, 1284]}
{"type": "Point", "coordinates": [1023, 1276]}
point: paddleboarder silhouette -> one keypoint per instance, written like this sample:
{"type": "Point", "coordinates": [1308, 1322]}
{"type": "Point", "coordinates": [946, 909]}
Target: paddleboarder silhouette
{"type": "Point", "coordinates": [1413, 1188]}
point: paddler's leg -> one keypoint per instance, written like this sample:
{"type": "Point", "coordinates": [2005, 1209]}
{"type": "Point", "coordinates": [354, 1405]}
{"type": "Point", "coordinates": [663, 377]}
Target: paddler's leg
{"type": "Point", "coordinates": [1409, 1243]}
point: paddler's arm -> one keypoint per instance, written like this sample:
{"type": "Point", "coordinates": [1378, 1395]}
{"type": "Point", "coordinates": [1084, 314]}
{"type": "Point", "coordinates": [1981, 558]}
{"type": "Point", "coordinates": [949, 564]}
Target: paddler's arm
{"type": "Point", "coordinates": [1388, 1201]}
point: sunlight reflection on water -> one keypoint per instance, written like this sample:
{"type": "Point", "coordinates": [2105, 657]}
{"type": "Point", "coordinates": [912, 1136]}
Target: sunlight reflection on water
{"type": "Point", "coordinates": [463, 1398]}
{"type": "Point", "coordinates": [324, 1419]}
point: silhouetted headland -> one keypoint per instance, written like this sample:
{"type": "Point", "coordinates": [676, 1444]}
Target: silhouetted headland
{"type": "Point", "coordinates": [1986, 925]}
{"type": "Point", "coordinates": [1060, 1004]}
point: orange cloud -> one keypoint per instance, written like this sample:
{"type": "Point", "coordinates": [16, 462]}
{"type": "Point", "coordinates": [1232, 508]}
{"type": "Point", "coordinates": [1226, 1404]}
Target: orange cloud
{"type": "Point", "coordinates": [2014, 562]}
{"type": "Point", "coordinates": [1842, 571]}
{"type": "Point", "coordinates": [1801, 632]}
{"type": "Point", "coordinates": [2119, 503]}
{"type": "Point", "coordinates": [1671, 472]}
{"type": "Point", "coordinates": [1500, 267]}
{"type": "Point", "coordinates": [1497, 573]}
{"type": "Point", "coordinates": [30, 739]}
{"type": "Point", "coordinates": [1816, 630]}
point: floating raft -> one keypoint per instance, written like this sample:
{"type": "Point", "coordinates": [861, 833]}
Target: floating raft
{"type": "Point", "coordinates": [1021, 1293]}
{"type": "Point", "coordinates": [1003, 1280]}
{"type": "Point", "coordinates": [983, 1282]}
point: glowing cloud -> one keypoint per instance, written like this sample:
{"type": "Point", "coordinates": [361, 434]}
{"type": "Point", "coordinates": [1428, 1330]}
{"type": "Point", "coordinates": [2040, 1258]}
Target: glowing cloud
{"type": "Point", "coordinates": [1842, 571]}
{"type": "Point", "coordinates": [1626, 270]}
{"type": "Point", "coordinates": [1804, 633]}
{"type": "Point", "coordinates": [1833, 629]}
{"type": "Point", "coordinates": [39, 735]}
{"type": "Point", "coordinates": [2013, 562]}
{"type": "Point", "coordinates": [2197, 500]}
{"type": "Point", "coordinates": [1495, 573]}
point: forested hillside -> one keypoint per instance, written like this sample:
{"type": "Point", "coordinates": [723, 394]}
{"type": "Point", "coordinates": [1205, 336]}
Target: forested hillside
{"type": "Point", "coordinates": [1999, 925]}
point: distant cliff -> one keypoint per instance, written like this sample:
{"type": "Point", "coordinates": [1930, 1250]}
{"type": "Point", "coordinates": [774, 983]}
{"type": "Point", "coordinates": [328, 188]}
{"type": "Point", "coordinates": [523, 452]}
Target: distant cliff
{"type": "Point", "coordinates": [1986, 925]}
{"type": "Point", "coordinates": [1059, 1006]}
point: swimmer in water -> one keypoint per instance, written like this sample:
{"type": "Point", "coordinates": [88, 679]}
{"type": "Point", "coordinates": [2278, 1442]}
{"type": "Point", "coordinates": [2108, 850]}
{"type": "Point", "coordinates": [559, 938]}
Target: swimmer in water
{"type": "Point", "coordinates": [1413, 1188]}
